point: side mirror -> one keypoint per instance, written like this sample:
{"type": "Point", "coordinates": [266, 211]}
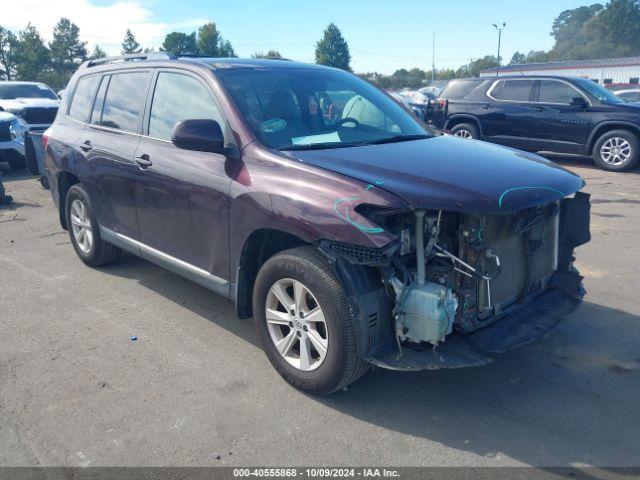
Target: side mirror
{"type": "Point", "coordinates": [199, 135]}
{"type": "Point", "coordinates": [579, 102]}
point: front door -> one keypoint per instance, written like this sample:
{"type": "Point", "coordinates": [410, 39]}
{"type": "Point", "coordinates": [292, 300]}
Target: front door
{"type": "Point", "coordinates": [559, 126]}
{"type": "Point", "coordinates": [182, 196]}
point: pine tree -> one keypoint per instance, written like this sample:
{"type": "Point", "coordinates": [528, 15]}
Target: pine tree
{"type": "Point", "coordinates": [129, 44]}
{"type": "Point", "coordinates": [98, 52]}
{"type": "Point", "coordinates": [332, 49]}
{"type": "Point", "coordinates": [32, 56]}
{"type": "Point", "coordinates": [67, 51]}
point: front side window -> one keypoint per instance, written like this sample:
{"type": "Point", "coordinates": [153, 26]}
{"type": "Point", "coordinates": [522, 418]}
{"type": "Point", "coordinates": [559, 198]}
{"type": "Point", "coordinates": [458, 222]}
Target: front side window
{"type": "Point", "coordinates": [179, 97]}
{"type": "Point", "coordinates": [552, 91]}
{"type": "Point", "coordinates": [598, 92]}
{"type": "Point", "coordinates": [82, 100]}
{"type": "Point", "coordinates": [512, 90]}
{"type": "Point", "coordinates": [124, 101]}
{"type": "Point", "coordinates": [304, 108]}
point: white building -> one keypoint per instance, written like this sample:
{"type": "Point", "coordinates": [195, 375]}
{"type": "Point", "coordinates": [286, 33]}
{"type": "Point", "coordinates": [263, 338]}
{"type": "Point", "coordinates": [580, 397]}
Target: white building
{"type": "Point", "coordinates": [610, 72]}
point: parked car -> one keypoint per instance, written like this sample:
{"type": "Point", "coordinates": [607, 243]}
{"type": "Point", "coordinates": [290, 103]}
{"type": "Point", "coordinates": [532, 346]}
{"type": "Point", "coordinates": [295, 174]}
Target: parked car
{"type": "Point", "coordinates": [12, 141]}
{"type": "Point", "coordinates": [543, 114]}
{"type": "Point", "coordinates": [35, 103]}
{"type": "Point", "coordinates": [352, 239]}
{"type": "Point", "coordinates": [629, 95]}
{"type": "Point", "coordinates": [416, 109]}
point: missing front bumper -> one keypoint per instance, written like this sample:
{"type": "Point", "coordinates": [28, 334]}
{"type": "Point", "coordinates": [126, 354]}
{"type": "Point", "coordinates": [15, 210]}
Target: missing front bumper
{"type": "Point", "coordinates": [518, 326]}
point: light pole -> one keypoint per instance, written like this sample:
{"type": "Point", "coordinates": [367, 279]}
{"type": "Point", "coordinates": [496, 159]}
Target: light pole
{"type": "Point", "coordinates": [504, 24]}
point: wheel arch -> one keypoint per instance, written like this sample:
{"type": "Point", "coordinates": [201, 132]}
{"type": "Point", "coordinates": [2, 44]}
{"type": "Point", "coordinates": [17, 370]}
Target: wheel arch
{"type": "Point", "coordinates": [608, 126]}
{"type": "Point", "coordinates": [65, 181]}
{"type": "Point", "coordinates": [259, 246]}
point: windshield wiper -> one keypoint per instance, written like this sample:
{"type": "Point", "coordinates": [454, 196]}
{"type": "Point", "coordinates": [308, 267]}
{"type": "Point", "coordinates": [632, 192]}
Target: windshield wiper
{"type": "Point", "coordinates": [319, 146]}
{"type": "Point", "coordinates": [395, 139]}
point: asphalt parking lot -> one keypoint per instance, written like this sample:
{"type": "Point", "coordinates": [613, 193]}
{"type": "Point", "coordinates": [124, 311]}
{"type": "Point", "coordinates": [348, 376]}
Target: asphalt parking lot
{"type": "Point", "coordinates": [195, 389]}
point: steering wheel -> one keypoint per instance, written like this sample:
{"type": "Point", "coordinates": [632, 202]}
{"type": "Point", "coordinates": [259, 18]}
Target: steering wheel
{"type": "Point", "coordinates": [344, 120]}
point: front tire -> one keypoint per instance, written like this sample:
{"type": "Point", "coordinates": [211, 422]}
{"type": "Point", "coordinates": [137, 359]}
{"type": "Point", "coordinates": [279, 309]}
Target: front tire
{"type": "Point", "coordinates": [465, 130]}
{"type": "Point", "coordinates": [302, 318]}
{"type": "Point", "coordinates": [617, 151]}
{"type": "Point", "coordinates": [84, 230]}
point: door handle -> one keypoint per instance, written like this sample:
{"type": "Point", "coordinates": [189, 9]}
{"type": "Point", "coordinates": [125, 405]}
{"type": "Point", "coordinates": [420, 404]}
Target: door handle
{"type": "Point", "coordinates": [86, 146]}
{"type": "Point", "coordinates": [143, 161]}
{"type": "Point", "coordinates": [485, 106]}
{"type": "Point", "coordinates": [540, 109]}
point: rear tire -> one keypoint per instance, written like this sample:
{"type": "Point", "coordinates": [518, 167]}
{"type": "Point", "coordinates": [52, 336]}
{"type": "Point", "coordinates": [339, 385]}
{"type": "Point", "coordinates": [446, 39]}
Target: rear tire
{"type": "Point", "coordinates": [465, 130]}
{"type": "Point", "coordinates": [308, 268]}
{"type": "Point", "coordinates": [84, 230]}
{"type": "Point", "coordinates": [617, 151]}
{"type": "Point", "coordinates": [18, 162]}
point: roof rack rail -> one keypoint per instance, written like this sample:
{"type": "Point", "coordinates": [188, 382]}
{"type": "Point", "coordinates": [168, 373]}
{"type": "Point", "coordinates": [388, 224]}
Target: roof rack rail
{"type": "Point", "coordinates": [128, 58]}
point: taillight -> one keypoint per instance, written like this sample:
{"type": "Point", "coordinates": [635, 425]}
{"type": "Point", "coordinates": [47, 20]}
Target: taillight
{"type": "Point", "coordinates": [45, 138]}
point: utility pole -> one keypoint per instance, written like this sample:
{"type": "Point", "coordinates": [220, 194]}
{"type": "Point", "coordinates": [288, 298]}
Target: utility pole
{"type": "Point", "coordinates": [433, 57]}
{"type": "Point", "coordinates": [504, 24]}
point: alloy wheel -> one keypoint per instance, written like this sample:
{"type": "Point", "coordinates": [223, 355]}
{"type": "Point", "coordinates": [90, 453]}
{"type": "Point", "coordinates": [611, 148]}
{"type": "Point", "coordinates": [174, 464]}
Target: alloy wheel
{"type": "Point", "coordinates": [81, 226]}
{"type": "Point", "coordinates": [615, 151]}
{"type": "Point", "coordinates": [462, 133]}
{"type": "Point", "coordinates": [296, 324]}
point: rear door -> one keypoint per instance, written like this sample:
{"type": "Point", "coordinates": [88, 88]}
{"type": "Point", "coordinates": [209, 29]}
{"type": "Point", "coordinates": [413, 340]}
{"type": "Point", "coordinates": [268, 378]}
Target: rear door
{"type": "Point", "coordinates": [109, 143]}
{"type": "Point", "coordinates": [557, 125]}
{"type": "Point", "coordinates": [508, 112]}
{"type": "Point", "coordinates": [182, 195]}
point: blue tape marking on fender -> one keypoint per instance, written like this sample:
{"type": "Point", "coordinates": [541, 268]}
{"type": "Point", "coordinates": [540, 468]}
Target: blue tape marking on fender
{"type": "Point", "coordinates": [506, 192]}
{"type": "Point", "coordinates": [348, 219]}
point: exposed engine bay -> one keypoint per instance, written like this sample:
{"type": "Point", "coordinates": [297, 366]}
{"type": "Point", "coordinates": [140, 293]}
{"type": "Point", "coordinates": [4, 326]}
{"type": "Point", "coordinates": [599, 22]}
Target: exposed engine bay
{"type": "Point", "coordinates": [452, 274]}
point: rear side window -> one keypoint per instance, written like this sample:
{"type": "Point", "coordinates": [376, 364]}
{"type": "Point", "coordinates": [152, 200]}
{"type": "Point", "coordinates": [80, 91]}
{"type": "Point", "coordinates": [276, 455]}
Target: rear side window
{"type": "Point", "coordinates": [556, 92]}
{"type": "Point", "coordinates": [124, 101]}
{"type": "Point", "coordinates": [458, 89]}
{"type": "Point", "coordinates": [179, 97]}
{"type": "Point", "coordinates": [82, 100]}
{"type": "Point", "coordinates": [512, 90]}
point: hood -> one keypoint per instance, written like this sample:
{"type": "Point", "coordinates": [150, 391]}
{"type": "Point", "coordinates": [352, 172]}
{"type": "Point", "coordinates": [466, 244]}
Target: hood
{"type": "Point", "coordinates": [450, 173]}
{"type": "Point", "coordinates": [7, 117]}
{"type": "Point", "coordinates": [632, 107]}
{"type": "Point", "coordinates": [22, 103]}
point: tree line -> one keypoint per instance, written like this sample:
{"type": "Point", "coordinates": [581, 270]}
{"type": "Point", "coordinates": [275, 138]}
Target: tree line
{"type": "Point", "coordinates": [583, 33]}
{"type": "Point", "coordinates": [27, 56]}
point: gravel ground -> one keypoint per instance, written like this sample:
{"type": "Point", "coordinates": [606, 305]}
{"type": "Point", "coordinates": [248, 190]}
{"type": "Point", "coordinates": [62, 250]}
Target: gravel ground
{"type": "Point", "coordinates": [195, 389]}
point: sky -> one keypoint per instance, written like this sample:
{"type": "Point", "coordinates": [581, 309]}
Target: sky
{"type": "Point", "coordinates": [382, 35]}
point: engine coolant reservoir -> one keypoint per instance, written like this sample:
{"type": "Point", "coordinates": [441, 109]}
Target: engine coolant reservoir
{"type": "Point", "coordinates": [426, 312]}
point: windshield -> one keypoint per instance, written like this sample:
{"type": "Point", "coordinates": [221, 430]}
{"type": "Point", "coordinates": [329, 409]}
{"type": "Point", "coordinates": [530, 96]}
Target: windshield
{"type": "Point", "coordinates": [600, 93]}
{"type": "Point", "coordinates": [10, 91]}
{"type": "Point", "coordinates": [303, 108]}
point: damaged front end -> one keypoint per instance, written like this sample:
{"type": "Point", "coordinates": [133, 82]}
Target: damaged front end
{"type": "Point", "coordinates": [454, 287]}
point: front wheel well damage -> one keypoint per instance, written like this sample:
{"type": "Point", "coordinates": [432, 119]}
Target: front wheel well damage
{"type": "Point", "coordinates": [65, 181]}
{"type": "Point", "coordinates": [259, 247]}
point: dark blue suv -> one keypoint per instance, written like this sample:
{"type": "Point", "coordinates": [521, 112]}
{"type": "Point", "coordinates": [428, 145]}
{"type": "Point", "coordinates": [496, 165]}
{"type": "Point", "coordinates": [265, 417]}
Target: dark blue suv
{"type": "Point", "coordinates": [543, 114]}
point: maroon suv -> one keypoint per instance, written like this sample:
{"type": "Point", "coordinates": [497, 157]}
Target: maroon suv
{"type": "Point", "coordinates": [349, 231]}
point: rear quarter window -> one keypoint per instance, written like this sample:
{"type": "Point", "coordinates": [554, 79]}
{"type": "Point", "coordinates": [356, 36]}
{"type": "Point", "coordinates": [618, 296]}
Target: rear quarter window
{"type": "Point", "coordinates": [459, 89]}
{"type": "Point", "coordinates": [82, 100]}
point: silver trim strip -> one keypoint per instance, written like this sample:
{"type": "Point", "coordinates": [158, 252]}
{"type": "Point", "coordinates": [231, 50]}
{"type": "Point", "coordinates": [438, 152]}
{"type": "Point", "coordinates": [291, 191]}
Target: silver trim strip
{"type": "Point", "coordinates": [197, 275]}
